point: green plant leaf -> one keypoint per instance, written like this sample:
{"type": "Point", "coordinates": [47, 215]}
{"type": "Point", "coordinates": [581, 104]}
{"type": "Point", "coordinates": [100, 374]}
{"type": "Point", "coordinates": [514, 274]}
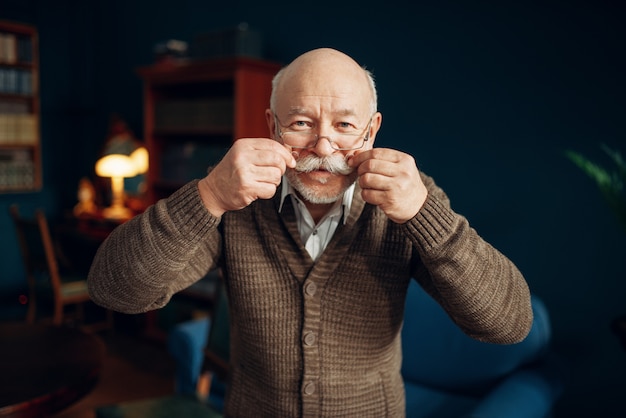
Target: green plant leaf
{"type": "Point", "coordinates": [610, 184]}
{"type": "Point", "coordinates": [597, 173]}
{"type": "Point", "coordinates": [616, 156]}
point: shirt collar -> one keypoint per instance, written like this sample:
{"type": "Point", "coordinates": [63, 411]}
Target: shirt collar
{"type": "Point", "coordinates": [287, 190]}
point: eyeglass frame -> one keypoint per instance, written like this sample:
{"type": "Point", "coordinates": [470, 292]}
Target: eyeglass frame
{"type": "Point", "coordinates": [333, 144]}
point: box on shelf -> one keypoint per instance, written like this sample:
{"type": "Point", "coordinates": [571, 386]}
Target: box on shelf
{"type": "Point", "coordinates": [238, 41]}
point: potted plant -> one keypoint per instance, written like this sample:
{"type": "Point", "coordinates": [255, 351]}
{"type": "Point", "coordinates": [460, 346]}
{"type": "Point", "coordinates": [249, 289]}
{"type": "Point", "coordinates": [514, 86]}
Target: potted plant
{"type": "Point", "coordinates": [611, 185]}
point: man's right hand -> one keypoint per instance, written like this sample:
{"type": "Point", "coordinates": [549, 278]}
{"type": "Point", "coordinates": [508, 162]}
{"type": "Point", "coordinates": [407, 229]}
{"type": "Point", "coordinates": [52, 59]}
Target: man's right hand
{"type": "Point", "coordinates": [252, 169]}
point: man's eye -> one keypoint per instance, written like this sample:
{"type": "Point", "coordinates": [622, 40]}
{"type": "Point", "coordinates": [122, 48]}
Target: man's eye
{"type": "Point", "coordinates": [300, 125]}
{"type": "Point", "coordinates": [345, 127]}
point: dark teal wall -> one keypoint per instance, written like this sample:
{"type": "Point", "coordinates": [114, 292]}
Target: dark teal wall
{"type": "Point", "coordinates": [486, 97]}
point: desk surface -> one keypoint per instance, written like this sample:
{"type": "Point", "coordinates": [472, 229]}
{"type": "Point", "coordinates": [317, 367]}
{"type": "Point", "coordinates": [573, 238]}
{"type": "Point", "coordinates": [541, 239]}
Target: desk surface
{"type": "Point", "coordinates": [45, 368]}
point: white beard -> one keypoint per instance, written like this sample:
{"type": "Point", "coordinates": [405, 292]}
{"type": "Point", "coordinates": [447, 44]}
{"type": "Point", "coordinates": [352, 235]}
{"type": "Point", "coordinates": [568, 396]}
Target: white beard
{"type": "Point", "coordinates": [335, 164]}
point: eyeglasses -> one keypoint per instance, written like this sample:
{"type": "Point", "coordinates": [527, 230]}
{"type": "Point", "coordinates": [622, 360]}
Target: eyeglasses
{"type": "Point", "coordinates": [342, 141]}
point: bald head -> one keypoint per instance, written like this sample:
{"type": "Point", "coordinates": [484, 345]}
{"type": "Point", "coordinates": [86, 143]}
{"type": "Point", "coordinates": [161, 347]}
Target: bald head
{"type": "Point", "coordinates": [328, 72]}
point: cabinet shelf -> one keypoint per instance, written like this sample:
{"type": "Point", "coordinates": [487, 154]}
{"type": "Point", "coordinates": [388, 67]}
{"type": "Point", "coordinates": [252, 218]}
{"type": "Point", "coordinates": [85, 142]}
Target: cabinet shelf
{"type": "Point", "coordinates": [20, 153]}
{"type": "Point", "coordinates": [194, 110]}
{"type": "Point", "coordinates": [18, 65]}
{"type": "Point", "coordinates": [17, 97]}
{"type": "Point", "coordinates": [17, 146]}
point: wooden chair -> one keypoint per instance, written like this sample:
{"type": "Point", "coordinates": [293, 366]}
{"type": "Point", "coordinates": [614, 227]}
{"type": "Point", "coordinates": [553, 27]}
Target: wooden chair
{"type": "Point", "coordinates": [46, 283]}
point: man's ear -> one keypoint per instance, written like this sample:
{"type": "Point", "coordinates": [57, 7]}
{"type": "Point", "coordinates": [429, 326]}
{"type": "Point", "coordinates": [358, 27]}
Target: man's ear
{"type": "Point", "coordinates": [377, 121]}
{"type": "Point", "coordinates": [269, 118]}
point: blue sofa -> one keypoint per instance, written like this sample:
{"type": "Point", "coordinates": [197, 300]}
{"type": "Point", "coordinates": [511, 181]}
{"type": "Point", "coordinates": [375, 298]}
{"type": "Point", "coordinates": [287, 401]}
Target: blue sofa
{"type": "Point", "coordinates": [447, 374]}
{"type": "Point", "coordinates": [186, 343]}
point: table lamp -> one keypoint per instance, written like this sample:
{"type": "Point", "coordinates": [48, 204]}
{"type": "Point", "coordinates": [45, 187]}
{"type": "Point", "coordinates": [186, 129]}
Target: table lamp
{"type": "Point", "coordinates": [117, 167]}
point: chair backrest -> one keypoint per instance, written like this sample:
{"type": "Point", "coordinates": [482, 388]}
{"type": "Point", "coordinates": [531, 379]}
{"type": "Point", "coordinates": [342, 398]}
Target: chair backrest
{"type": "Point", "coordinates": [37, 249]}
{"type": "Point", "coordinates": [436, 353]}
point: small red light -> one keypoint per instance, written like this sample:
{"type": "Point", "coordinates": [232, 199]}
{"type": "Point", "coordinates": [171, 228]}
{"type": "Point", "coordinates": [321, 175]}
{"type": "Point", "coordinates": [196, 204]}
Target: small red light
{"type": "Point", "coordinates": [23, 299]}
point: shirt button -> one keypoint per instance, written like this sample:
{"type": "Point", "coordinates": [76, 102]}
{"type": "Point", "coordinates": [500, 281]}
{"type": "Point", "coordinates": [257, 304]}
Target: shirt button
{"type": "Point", "coordinates": [309, 388]}
{"type": "Point", "coordinates": [310, 288]}
{"type": "Point", "coordinates": [309, 338]}
{"type": "Point", "coordinates": [315, 232]}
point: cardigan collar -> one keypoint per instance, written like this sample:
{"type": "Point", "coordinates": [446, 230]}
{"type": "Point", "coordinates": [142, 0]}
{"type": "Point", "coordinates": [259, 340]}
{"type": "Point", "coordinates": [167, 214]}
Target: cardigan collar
{"type": "Point", "coordinates": [287, 189]}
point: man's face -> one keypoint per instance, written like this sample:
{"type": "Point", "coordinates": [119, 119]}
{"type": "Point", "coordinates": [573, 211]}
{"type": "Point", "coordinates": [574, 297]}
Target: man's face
{"type": "Point", "coordinates": [329, 103]}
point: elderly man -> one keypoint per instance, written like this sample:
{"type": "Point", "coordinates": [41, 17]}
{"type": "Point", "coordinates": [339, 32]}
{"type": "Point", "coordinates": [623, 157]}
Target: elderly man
{"type": "Point", "coordinates": [318, 234]}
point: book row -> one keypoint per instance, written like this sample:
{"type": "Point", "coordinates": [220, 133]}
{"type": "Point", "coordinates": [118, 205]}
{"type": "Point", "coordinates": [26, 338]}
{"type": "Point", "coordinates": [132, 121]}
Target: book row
{"type": "Point", "coordinates": [15, 49]}
{"type": "Point", "coordinates": [17, 169]}
{"type": "Point", "coordinates": [18, 129]}
{"type": "Point", "coordinates": [16, 81]}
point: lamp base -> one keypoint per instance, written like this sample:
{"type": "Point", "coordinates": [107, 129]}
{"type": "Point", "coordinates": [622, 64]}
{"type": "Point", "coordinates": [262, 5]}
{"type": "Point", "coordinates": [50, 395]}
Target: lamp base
{"type": "Point", "coordinates": [117, 212]}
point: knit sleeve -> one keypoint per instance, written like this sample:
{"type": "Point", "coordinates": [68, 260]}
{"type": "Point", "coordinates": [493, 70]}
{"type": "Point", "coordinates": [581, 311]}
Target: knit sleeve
{"type": "Point", "coordinates": [480, 288]}
{"type": "Point", "coordinates": [144, 261]}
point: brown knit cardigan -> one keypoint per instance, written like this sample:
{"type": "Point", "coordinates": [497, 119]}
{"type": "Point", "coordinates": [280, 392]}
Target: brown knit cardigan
{"type": "Point", "coordinates": [314, 339]}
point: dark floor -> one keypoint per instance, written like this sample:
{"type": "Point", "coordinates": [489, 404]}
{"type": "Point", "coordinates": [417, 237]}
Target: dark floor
{"type": "Point", "coordinates": [135, 368]}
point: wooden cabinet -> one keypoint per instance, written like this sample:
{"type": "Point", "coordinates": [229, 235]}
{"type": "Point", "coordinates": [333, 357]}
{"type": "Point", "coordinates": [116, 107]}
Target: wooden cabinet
{"type": "Point", "coordinates": [20, 148]}
{"type": "Point", "coordinates": [194, 110]}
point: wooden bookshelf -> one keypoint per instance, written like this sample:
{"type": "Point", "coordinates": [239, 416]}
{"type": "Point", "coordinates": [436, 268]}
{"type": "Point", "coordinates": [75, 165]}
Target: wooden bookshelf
{"type": "Point", "coordinates": [20, 147]}
{"type": "Point", "coordinates": [194, 110]}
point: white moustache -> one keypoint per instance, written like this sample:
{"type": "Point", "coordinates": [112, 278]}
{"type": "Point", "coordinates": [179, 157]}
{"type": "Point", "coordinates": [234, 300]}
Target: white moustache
{"type": "Point", "coordinates": [335, 164]}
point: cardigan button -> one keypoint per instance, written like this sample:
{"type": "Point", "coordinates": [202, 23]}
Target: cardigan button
{"type": "Point", "coordinates": [309, 388]}
{"type": "Point", "coordinates": [310, 288]}
{"type": "Point", "coordinates": [309, 338]}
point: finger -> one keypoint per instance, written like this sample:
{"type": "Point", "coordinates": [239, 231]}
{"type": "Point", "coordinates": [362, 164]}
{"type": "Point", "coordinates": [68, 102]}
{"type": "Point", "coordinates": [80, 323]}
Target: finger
{"type": "Point", "coordinates": [386, 154]}
{"type": "Point", "coordinates": [266, 174]}
{"type": "Point", "coordinates": [291, 159]}
{"type": "Point", "coordinates": [293, 154]}
{"type": "Point", "coordinates": [250, 189]}
{"type": "Point", "coordinates": [266, 191]}
{"type": "Point", "coordinates": [375, 181]}
{"type": "Point", "coordinates": [284, 152]}
{"type": "Point", "coordinates": [265, 151]}
{"type": "Point", "coordinates": [374, 197]}
{"type": "Point", "coordinates": [378, 167]}
{"type": "Point", "coordinates": [358, 158]}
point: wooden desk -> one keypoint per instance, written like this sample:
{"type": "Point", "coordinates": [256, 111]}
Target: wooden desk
{"type": "Point", "coordinates": [45, 368]}
{"type": "Point", "coordinates": [78, 239]}
{"type": "Point", "coordinates": [95, 226]}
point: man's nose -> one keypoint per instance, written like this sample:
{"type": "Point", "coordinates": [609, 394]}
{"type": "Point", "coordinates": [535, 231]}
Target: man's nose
{"type": "Point", "coordinates": [323, 146]}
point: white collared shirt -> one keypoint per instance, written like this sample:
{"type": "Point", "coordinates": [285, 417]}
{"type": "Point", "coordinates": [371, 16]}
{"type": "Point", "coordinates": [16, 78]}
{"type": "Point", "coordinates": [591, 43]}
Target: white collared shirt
{"type": "Point", "coordinates": [316, 237]}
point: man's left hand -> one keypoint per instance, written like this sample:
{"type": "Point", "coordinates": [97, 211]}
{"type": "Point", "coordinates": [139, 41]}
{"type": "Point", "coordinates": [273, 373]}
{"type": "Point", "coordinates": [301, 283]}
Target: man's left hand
{"type": "Point", "coordinates": [390, 180]}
